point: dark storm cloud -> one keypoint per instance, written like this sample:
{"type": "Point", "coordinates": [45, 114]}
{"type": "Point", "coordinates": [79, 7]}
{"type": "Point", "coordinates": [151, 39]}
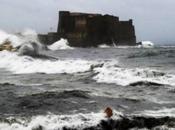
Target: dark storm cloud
{"type": "Point", "coordinates": [154, 19]}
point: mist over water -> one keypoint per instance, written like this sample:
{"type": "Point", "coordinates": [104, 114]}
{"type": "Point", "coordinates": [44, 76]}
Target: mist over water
{"type": "Point", "coordinates": [70, 87]}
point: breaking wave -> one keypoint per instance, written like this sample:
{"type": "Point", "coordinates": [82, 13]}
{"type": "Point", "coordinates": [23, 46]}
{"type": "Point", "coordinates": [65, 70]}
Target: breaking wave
{"type": "Point", "coordinates": [10, 37]}
{"type": "Point", "coordinates": [110, 73]}
{"type": "Point", "coordinates": [170, 112]}
{"type": "Point", "coordinates": [25, 64]}
{"type": "Point", "coordinates": [60, 45]}
{"type": "Point", "coordinates": [89, 121]}
{"type": "Point", "coordinates": [146, 44]}
{"type": "Point", "coordinates": [19, 38]}
{"type": "Point", "coordinates": [107, 72]}
{"type": "Point", "coordinates": [53, 122]}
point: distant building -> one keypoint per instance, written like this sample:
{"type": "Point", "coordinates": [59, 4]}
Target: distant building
{"type": "Point", "coordinates": [84, 30]}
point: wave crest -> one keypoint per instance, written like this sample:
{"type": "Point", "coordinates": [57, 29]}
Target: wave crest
{"type": "Point", "coordinates": [110, 73]}
{"type": "Point", "coordinates": [90, 121]}
{"type": "Point", "coordinates": [60, 45]}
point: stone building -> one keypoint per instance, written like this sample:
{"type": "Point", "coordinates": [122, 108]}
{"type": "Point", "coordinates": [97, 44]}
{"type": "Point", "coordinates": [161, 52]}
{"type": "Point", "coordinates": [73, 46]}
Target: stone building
{"type": "Point", "coordinates": [84, 30]}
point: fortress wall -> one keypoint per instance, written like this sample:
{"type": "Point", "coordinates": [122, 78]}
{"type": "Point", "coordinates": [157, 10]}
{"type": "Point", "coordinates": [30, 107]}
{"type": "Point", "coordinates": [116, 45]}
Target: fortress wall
{"type": "Point", "coordinates": [84, 30]}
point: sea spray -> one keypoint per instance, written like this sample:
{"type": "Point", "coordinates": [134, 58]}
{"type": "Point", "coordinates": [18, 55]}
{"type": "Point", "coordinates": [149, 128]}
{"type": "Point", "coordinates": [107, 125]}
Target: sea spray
{"type": "Point", "coordinates": [13, 39]}
{"type": "Point", "coordinates": [110, 73]}
{"type": "Point", "coordinates": [62, 44]}
{"type": "Point", "coordinates": [146, 44]}
{"type": "Point", "coordinates": [18, 39]}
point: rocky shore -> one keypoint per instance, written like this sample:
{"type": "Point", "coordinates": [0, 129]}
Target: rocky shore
{"type": "Point", "coordinates": [126, 123]}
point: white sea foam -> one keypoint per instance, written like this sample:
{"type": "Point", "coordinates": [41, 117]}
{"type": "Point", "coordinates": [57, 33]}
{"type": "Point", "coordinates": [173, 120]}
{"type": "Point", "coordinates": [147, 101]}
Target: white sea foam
{"type": "Point", "coordinates": [104, 46]}
{"type": "Point", "coordinates": [57, 122]}
{"type": "Point", "coordinates": [108, 73]}
{"type": "Point", "coordinates": [158, 113]}
{"type": "Point", "coordinates": [62, 44]}
{"type": "Point", "coordinates": [117, 46]}
{"type": "Point", "coordinates": [111, 73]}
{"type": "Point", "coordinates": [24, 64]}
{"type": "Point", "coordinates": [15, 41]}
{"type": "Point", "coordinates": [126, 47]}
{"type": "Point", "coordinates": [29, 35]}
{"type": "Point", "coordinates": [146, 44]}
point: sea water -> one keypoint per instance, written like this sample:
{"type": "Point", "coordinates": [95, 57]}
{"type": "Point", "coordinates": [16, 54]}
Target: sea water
{"type": "Point", "coordinates": [72, 89]}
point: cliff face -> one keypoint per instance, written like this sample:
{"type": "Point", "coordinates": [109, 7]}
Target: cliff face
{"type": "Point", "coordinates": [84, 30]}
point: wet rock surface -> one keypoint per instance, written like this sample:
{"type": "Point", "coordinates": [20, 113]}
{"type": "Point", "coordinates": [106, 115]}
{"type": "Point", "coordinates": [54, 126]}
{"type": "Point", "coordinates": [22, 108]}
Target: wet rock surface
{"type": "Point", "coordinates": [6, 45]}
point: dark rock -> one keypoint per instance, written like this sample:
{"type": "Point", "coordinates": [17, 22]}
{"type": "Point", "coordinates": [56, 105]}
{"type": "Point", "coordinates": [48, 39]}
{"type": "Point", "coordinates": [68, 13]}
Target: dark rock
{"type": "Point", "coordinates": [126, 123]}
{"type": "Point", "coordinates": [146, 83]}
{"type": "Point", "coordinates": [135, 122]}
{"type": "Point", "coordinates": [38, 128]}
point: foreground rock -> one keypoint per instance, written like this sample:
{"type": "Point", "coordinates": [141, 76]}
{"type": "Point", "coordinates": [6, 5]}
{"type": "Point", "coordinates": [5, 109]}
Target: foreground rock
{"type": "Point", "coordinates": [7, 45]}
{"type": "Point", "coordinates": [134, 123]}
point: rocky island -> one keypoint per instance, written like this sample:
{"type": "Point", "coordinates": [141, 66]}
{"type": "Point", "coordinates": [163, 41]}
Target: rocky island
{"type": "Point", "coordinates": [87, 30]}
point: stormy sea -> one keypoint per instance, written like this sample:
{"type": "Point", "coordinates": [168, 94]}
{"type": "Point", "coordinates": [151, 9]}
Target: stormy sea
{"type": "Point", "coordinates": [66, 88]}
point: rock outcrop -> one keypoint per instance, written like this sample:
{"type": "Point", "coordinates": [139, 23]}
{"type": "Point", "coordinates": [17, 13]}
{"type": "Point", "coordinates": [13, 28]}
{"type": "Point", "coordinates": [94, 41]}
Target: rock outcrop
{"type": "Point", "coordinates": [85, 30]}
{"type": "Point", "coordinates": [7, 45]}
{"type": "Point", "coordinates": [133, 123]}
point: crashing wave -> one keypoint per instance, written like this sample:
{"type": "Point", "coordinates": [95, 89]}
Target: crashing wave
{"type": "Point", "coordinates": [107, 72]}
{"type": "Point", "coordinates": [19, 38]}
{"type": "Point", "coordinates": [30, 48]}
{"type": "Point", "coordinates": [60, 45]}
{"type": "Point", "coordinates": [54, 122]}
{"type": "Point", "coordinates": [89, 121]}
{"type": "Point", "coordinates": [13, 39]}
{"type": "Point", "coordinates": [24, 64]}
{"type": "Point", "coordinates": [110, 73]}
{"type": "Point", "coordinates": [30, 43]}
{"type": "Point", "coordinates": [26, 43]}
{"type": "Point", "coordinates": [146, 44]}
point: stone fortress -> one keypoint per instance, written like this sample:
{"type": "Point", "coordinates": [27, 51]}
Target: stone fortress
{"type": "Point", "coordinates": [86, 30]}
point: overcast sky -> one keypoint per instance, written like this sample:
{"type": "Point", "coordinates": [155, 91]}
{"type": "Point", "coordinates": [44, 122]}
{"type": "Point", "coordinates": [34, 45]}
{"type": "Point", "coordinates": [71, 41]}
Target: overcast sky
{"type": "Point", "coordinates": [153, 19]}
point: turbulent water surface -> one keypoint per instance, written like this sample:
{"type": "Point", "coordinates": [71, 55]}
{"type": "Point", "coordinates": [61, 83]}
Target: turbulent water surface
{"type": "Point", "coordinates": [71, 88]}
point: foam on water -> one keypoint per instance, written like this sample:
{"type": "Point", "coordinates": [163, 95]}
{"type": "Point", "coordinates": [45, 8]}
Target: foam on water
{"type": "Point", "coordinates": [29, 35]}
{"type": "Point", "coordinates": [56, 122]}
{"type": "Point", "coordinates": [104, 46]}
{"type": "Point", "coordinates": [10, 37]}
{"type": "Point", "coordinates": [111, 73]}
{"type": "Point", "coordinates": [60, 45]}
{"type": "Point", "coordinates": [19, 39]}
{"type": "Point", "coordinates": [146, 44]}
{"type": "Point", "coordinates": [25, 64]}
{"type": "Point", "coordinates": [170, 112]}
